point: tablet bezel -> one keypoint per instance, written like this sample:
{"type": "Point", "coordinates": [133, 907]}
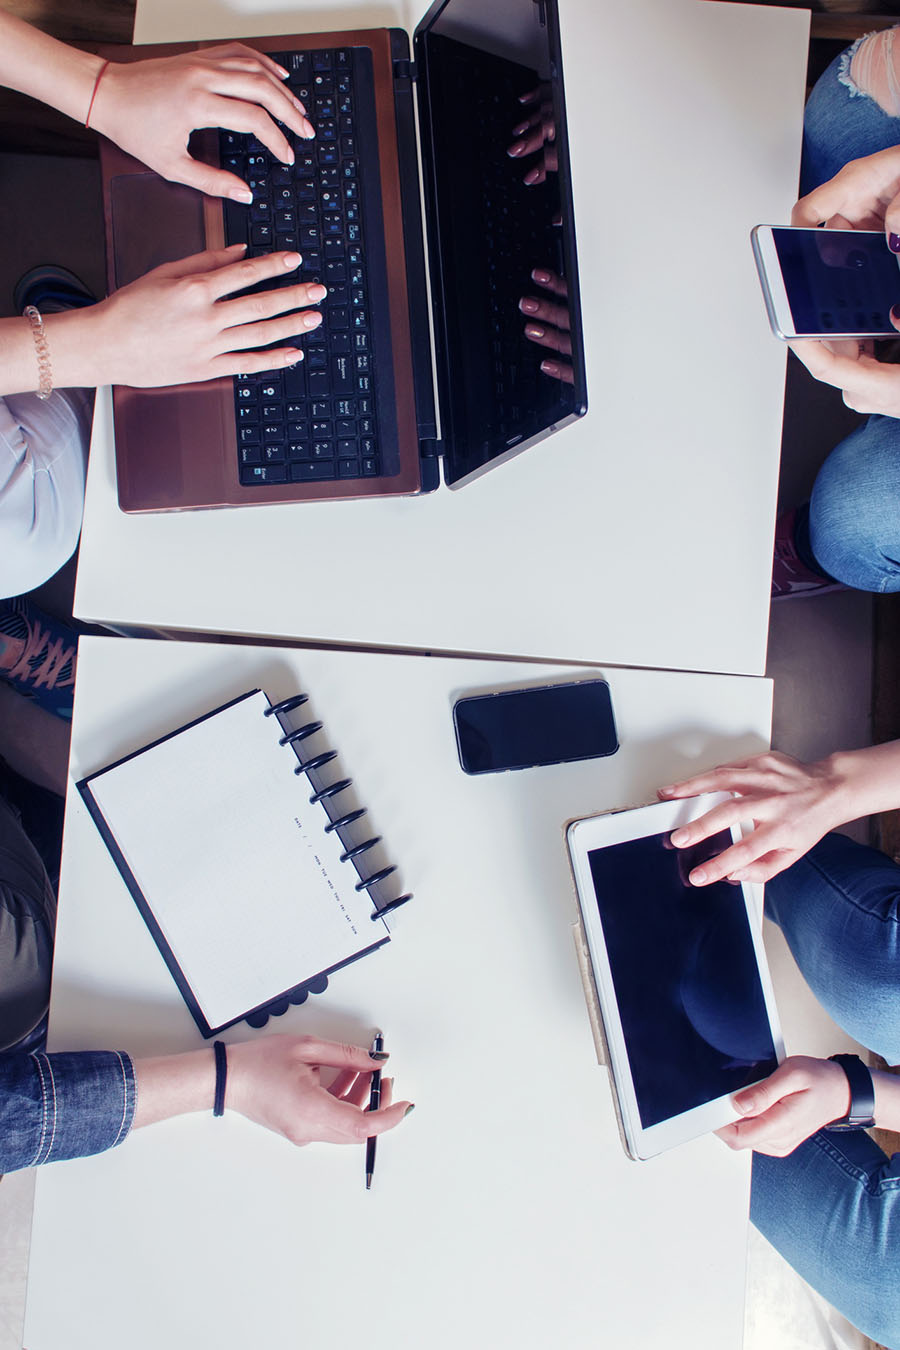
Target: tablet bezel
{"type": "Point", "coordinates": [583, 837]}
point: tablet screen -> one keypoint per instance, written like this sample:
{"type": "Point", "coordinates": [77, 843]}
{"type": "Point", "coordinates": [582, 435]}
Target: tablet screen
{"type": "Point", "coordinates": [685, 975]}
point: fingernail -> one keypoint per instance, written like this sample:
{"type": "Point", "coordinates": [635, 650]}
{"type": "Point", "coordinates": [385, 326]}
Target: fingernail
{"type": "Point", "coordinates": [317, 292]}
{"type": "Point", "coordinates": [295, 359]}
{"type": "Point", "coordinates": [516, 149]}
{"type": "Point", "coordinates": [520, 129]}
{"type": "Point", "coordinates": [894, 243]}
{"type": "Point", "coordinates": [541, 277]}
{"type": "Point", "coordinates": [241, 195]}
{"type": "Point", "coordinates": [528, 306]}
{"type": "Point", "coordinates": [549, 367]}
{"type": "Point", "coordinates": [411, 1107]}
{"type": "Point", "coordinates": [291, 260]}
{"type": "Point", "coordinates": [301, 108]}
{"type": "Point", "coordinates": [679, 837]}
{"type": "Point", "coordinates": [282, 72]}
{"type": "Point", "coordinates": [895, 313]}
{"type": "Point", "coordinates": [531, 176]}
{"type": "Point", "coordinates": [743, 1102]}
{"type": "Point", "coordinates": [697, 877]}
{"type": "Point", "coordinates": [532, 330]}
{"type": "Point", "coordinates": [380, 1055]}
{"type": "Point", "coordinates": [291, 157]}
{"type": "Point", "coordinates": [311, 320]}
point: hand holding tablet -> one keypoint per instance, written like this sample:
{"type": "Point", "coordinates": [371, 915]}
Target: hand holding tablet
{"type": "Point", "coordinates": [684, 993]}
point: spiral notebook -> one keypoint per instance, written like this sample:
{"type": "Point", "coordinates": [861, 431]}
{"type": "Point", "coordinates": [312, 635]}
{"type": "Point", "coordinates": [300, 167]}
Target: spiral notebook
{"type": "Point", "coordinates": [248, 867]}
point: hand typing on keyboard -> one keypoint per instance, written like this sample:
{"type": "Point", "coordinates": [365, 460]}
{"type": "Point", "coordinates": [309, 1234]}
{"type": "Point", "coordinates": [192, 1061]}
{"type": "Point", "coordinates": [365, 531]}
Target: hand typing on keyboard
{"type": "Point", "coordinates": [176, 326]}
{"type": "Point", "coordinates": [150, 108]}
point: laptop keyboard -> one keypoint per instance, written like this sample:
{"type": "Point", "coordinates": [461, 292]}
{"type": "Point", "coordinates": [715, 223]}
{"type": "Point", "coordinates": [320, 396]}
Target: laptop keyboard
{"type": "Point", "coordinates": [316, 421]}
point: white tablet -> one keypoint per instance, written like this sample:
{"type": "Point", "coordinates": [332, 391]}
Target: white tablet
{"type": "Point", "coordinates": [685, 996]}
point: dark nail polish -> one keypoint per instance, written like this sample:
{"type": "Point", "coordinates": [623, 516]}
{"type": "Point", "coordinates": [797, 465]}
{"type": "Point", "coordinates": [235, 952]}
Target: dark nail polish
{"type": "Point", "coordinates": [411, 1107]}
{"type": "Point", "coordinates": [894, 243]}
{"type": "Point", "coordinates": [379, 1055]}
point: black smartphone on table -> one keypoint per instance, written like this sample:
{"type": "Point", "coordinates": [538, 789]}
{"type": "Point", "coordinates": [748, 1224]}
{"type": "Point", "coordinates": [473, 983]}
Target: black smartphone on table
{"type": "Point", "coordinates": [545, 724]}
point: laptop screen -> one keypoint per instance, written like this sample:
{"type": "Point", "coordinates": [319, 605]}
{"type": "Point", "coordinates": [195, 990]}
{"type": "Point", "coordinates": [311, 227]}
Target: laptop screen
{"type": "Point", "coordinates": [500, 226]}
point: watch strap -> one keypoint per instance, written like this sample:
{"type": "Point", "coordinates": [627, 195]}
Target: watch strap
{"type": "Point", "coordinates": [862, 1095]}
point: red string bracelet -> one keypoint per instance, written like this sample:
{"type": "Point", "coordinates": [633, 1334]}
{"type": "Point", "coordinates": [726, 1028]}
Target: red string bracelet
{"type": "Point", "coordinates": [100, 73]}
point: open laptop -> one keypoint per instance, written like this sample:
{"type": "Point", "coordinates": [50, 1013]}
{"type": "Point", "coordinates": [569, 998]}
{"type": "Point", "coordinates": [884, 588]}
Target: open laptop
{"type": "Point", "coordinates": [357, 416]}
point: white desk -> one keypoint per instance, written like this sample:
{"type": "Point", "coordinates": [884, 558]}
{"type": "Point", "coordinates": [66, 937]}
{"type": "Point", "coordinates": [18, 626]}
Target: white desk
{"type": "Point", "coordinates": [656, 512]}
{"type": "Point", "coordinates": [505, 1215]}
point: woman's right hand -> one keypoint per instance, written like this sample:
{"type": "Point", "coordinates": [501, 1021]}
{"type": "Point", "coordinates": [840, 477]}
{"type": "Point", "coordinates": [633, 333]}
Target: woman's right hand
{"type": "Point", "coordinates": [865, 195]}
{"type": "Point", "coordinates": [275, 1081]}
{"type": "Point", "coordinates": [791, 804]}
{"type": "Point", "coordinates": [176, 324]}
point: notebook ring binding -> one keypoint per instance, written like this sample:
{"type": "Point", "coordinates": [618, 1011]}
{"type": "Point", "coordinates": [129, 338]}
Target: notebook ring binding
{"type": "Point", "coordinates": [317, 761]}
{"type": "Point", "coordinates": [331, 791]}
{"type": "Point", "coordinates": [365, 882]}
{"type": "Point", "coordinates": [361, 848]}
{"type": "Point", "coordinates": [392, 904]}
{"type": "Point", "coordinates": [286, 705]}
{"type": "Point", "coordinates": [308, 729]}
{"type": "Point", "coordinates": [323, 794]}
{"type": "Point", "coordinates": [348, 819]}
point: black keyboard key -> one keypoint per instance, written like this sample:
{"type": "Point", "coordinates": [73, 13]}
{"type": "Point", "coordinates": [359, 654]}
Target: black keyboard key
{"type": "Point", "coordinates": [264, 473]}
{"type": "Point", "coordinates": [295, 381]}
{"type": "Point", "coordinates": [348, 468]}
{"type": "Point", "coordinates": [307, 471]}
{"type": "Point", "coordinates": [299, 67]}
{"type": "Point", "coordinates": [369, 467]}
{"type": "Point", "coordinates": [341, 375]}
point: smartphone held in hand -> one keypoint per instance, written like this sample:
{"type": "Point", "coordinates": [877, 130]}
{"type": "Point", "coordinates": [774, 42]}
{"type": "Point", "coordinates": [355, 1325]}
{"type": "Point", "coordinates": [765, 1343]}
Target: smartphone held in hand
{"type": "Point", "coordinates": [827, 283]}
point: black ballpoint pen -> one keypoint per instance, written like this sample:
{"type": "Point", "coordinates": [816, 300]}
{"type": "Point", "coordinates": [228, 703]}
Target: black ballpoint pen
{"type": "Point", "coordinates": [374, 1103]}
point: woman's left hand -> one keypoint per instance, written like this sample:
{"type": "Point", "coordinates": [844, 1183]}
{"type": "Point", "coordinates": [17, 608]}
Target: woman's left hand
{"type": "Point", "coordinates": [800, 1097]}
{"type": "Point", "coordinates": [868, 386]}
{"type": "Point", "coordinates": [151, 107]}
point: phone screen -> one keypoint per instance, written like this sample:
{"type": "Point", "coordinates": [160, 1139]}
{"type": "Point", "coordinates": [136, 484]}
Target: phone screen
{"type": "Point", "coordinates": [838, 281]}
{"type": "Point", "coordinates": [685, 973]}
{"type": "Point", "coordinates": [522, 728]}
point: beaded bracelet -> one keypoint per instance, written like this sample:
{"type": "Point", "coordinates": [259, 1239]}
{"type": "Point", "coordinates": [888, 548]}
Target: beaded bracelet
{"type": "Point", "coordinates": [42, 351]}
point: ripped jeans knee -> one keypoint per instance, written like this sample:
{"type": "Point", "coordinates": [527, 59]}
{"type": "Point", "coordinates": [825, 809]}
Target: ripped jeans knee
{"type": "Point", "coordinates": [871, 68]}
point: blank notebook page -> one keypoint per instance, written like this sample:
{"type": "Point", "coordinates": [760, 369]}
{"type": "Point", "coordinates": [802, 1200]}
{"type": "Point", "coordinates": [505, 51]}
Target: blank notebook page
{"type": "Point", "coordinates": [233, 860]}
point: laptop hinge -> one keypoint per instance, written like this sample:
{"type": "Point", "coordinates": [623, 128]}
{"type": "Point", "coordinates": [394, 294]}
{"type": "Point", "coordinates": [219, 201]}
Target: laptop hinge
{"type": "Point", "coordinates": [405, 69]}
{"type": "Point", "coordinates": [429, 447]}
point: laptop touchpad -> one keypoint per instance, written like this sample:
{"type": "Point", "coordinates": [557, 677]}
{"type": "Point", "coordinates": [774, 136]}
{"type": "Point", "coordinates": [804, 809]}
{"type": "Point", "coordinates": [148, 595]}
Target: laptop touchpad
{"type": "Point", "coordinates": [152, 222]}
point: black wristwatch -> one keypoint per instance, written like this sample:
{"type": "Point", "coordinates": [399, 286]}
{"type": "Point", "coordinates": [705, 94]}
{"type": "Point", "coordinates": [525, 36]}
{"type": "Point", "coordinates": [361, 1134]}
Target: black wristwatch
{"type": "Point", "coordinates": [862, 1095]}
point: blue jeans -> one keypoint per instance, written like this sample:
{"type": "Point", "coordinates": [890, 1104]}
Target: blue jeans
{"type": "Point", "coordinates": [832, 1207]}
{"type": "Point", "coordinates": [51, 1106]}
{"type": "Point", "coordinates": [854, 515]}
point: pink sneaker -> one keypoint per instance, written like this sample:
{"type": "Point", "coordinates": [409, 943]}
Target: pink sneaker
{"type": "Point", "coordinates": [790, 575]}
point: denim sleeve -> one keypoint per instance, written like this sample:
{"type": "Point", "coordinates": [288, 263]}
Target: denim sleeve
{"type": "Point", "coordinates": [63, 1106]}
